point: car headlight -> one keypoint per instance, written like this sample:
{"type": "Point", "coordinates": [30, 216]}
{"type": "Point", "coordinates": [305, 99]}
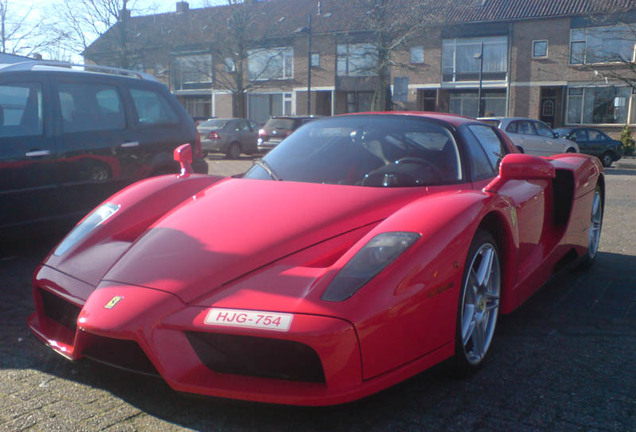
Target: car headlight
{"type": "Point", "coordinates": [92, 221]}
{"type": "Point", "coordinates": [378, 253]}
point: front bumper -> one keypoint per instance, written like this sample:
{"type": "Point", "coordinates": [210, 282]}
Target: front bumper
{"type": "Point", "coordinates": [316, 362]}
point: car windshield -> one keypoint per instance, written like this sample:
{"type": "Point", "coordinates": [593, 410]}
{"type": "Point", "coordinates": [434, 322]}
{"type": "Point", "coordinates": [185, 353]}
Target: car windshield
{"type": "Point", "coordinates": [214, 124]}
{"type": "Point", "coordinates": [365, 150]}
{"type": "Point", "coordinates": [279, 124]}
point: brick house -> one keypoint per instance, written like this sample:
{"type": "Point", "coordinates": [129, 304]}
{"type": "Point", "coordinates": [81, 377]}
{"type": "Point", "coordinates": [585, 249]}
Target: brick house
{"type": "Point", "coordinates": [564, 62]}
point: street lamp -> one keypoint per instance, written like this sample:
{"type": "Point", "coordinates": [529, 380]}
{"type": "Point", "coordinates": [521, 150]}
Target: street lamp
{"type": "Point", "coordinates": [307, 29]}
{"type": "Point", "coordinates": [480, 56]}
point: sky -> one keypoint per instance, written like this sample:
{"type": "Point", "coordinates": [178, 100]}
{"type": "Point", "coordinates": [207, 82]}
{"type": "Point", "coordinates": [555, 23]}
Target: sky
{"type": "Point", "coordinates": [40, 9]}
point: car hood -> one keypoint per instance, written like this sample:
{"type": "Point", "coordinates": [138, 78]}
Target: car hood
{"type": "Point", "coordinates": [237, 226]}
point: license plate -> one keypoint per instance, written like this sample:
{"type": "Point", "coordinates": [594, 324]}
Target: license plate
{"type": "Point", "coordinates": [249, 319]}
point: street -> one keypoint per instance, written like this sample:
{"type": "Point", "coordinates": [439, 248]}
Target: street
{"type": "Point", "coordinates": [561, 362]}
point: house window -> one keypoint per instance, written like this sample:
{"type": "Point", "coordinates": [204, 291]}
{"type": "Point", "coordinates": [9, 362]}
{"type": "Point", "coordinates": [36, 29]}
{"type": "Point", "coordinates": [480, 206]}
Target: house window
{"type": "Point", "coordinates": [540, 49]}
{"type": "Point", "coordinates": [230, 66]}
{"type": "Point", "coordinates": [261, 106]}
{"type": "Point", "coordinates": [602, 44]}
{"type": "Point", "coordinates": [315, 60]}
{"type": "Point", "coordinates": [466, 103]}
{"type": "Point", "coordinates": [461, 59]}
{"type": "Point", "coordinates": [598, 105]}
{"type": "Point", "coordinates": [270, 64]}
{"type": "Point", "coordinates": [356, 60]}
{"type": "Point", "coordinates": [192, 72]}
{"type": "Point", "coordinates": [417, 55]}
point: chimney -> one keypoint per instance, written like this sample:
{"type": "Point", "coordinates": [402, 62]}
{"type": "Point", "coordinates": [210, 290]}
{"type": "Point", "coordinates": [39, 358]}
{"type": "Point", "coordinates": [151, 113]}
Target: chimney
{"type": "Point", "coordinates": [182, 7]}
{"type": "Point", "coordinates": [124, 14]}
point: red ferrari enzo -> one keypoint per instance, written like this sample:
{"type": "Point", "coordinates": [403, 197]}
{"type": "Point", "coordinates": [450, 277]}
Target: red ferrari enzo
{"type": "Point", "coordinates": [360, 251]}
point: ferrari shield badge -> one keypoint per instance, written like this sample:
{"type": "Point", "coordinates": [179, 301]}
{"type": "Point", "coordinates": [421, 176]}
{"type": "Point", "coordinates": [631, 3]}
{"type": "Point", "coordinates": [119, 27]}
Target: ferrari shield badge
{"type": "Point", "coordinates": [113, 302]}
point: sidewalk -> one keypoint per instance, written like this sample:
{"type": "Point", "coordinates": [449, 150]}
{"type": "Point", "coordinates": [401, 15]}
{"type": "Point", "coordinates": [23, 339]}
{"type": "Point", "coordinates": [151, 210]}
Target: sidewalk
{"type": "Point", "coordinates": [626, 162]}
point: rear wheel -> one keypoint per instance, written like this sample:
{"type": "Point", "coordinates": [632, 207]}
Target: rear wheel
{"type": "Point", "coordinates": [571, 150]}
{"type": "Point", "coordinates": [594, 230]}
{"type": "Point", "coordinates": [607, 159]}
{"type": "Point", "coordinates": [233, 151]}
{"type": "Point", "coordinates": [478, 303]}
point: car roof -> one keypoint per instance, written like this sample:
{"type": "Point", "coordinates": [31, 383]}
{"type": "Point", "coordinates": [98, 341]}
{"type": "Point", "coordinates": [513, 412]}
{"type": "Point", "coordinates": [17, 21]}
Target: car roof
{"type": "Point", "coordinates": [55, 66]}
{"type": "Point", "coordinates": [453, 119]}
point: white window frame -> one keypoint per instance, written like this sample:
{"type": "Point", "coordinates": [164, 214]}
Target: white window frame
{"type": "Point", "coordinates": [534, 45]}
{"type": "Point", "coordinates": [450, 61]}
{"type": "Point", "coordinates": [270, 64]}
{"type": "Point", "coordinates": [417, 54]}
{"type": "Point", "coordinates": [200, 76]}
{"type": "Point", "coordinates": [583, 37]}
{"type": "Point", "coordinates": [356, 60]}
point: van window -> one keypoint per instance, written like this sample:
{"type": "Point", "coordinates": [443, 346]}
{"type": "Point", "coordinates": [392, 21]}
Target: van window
{"type": "Point", "coordinates": [152, 108]}
{"type": "Point", "coordinates": [90, 107]}
{"type": "Point", "coordinates": [21, 111]}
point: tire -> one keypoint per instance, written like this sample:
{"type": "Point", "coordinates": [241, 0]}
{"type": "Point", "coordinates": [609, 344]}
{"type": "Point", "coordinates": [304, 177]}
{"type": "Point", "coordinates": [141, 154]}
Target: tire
{"type": "Point", "coordinates": [233, 151]}
{"type": "Point", "coordinates": [478, 304]}
{"type": "Point", "coordinates": [594, 230]}
{"type": "Point", "coordinates": [571, 150]}
{"type": "Point", "coordinates": [520, 149]}
{"type": "Point", "coordinates": [607, 159]}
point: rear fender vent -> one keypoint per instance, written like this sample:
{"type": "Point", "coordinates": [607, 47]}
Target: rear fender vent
{"type": "Point", "coordinates": [258, 357]}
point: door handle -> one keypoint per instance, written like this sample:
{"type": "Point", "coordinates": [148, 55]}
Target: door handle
{"type": "Point", "coordinates": [37, 153]}
{"type": "Point", "coordinates": [130, 144]}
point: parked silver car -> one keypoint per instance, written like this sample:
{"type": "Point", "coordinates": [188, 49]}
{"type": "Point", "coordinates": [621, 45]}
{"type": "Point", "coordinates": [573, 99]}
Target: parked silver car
{"type": "Point", "coordinates": [532, 136]}
{"type": "Point", "coordinates": [231, 136]}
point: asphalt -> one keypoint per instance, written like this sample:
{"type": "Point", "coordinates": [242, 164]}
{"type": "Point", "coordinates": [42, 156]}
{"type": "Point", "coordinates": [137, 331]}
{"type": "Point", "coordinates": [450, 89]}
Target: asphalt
{"type": "Point", "coordinates": [563, 362]}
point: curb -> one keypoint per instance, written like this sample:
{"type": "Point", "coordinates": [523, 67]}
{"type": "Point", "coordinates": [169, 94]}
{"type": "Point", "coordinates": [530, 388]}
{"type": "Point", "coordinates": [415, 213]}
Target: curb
{"type": "Point", "coordinates": [626, 162]}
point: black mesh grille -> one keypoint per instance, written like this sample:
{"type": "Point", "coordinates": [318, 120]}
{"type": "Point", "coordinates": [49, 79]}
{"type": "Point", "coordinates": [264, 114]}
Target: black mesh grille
{"type": "Point", "coordinates": [59, 310]}
{"type": "Point", "coordinates": [259, 357]}
{"type": "Point", "coordinates": [124, 354]}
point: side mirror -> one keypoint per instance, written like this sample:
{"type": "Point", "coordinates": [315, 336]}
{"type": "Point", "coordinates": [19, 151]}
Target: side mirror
{"type": "Point", "coordinates": [183, 155]}
{"type": "Point", "coordinates": [520, 166]}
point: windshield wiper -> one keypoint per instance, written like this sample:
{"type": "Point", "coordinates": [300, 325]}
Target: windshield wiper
{"type": "Point", "coordinates": [261, 163]}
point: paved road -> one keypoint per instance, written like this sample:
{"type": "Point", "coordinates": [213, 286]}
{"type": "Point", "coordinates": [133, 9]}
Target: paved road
{"type": "Point", "coordinates": [562, 362]}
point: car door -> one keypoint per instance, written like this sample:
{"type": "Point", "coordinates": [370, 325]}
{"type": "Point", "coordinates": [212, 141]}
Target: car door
{"type": "Point", "coordinates": [28, 169]}
{"type": "Point", "coordinates": [526, 137]}
{"type": "Point", "coordinates": [91, 141]}
{"type": "Point", "coordinates": [157, 129]}
{"type": "Point", "coordinates": [598, 142]}
{"type": "Point", "coordinates": [580, 136]}
{"type": "Point", "coordinates": [247, 136]}
{"type": "Point", "coordinates": [546, 141]}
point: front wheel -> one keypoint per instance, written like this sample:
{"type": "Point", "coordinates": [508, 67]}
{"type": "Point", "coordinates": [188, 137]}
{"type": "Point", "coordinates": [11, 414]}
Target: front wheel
{"type": "Point", "coordinates": [594, 229]}
{"type": "Point", "coordinates": [478, 303]}
{"type": "Point", "coordinates": [607, 159]}
{"type": "Point", "coordinates": [233, 151]}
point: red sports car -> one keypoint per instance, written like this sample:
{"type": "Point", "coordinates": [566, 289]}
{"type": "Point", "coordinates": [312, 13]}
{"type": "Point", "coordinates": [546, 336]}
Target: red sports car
{"type": "Point", "coordinates": [359, 252]}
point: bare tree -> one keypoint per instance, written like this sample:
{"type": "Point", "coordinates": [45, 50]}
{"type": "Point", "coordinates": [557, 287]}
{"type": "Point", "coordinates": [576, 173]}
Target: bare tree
{"type": "Point", "coordinates": [391, 25]}
{"type": "Point", "coordinates": [81, 22]}
{"type": "Point", "coordinates": [19, 34]}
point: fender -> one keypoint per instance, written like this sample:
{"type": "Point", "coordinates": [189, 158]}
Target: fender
{"type": "Point", "coordinates": [140, 205]}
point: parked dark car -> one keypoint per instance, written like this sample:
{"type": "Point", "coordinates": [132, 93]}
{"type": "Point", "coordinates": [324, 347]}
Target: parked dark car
{"type": "Point", "coordinates": [594, 142]}
{"type": "Point", "coordinates": [277, 128]}
{"type": "Point", "coordinates": [231, 136]}
{"type": "Point", "coordinates": [71, 136]}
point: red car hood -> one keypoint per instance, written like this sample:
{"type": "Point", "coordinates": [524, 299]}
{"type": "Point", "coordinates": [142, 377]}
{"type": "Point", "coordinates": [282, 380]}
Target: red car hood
{"type": "Point", "coordinates": [238, 225]}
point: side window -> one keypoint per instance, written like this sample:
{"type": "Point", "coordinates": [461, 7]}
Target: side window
{"type": "Point", "coordinates": [152, 108]}
{"type": "Point", "coordinates": [543, 130]}
{"type": "Point", "coordinates": [525, 128]}
{"type": "Point", "coordinates": [512, 127]}
{"type": "Point", "coordinates": [21, 110]}
{"type": "Point", "coordinates": [90, 107]}
{"type": "Point", "coordinates": [243, 126]}
{"type": "Point", "coordinates": [597, 135]}
{"type": "Point", "coordinates": [490, 143]}
{"type": "Point", "coordinates": [580, 135]}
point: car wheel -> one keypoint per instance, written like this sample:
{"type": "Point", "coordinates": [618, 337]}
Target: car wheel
{"type": "Point", "coordinates": [571, 150]}
{"type": "Point", "coordinates": [478, 303]}
{"type": "Point", "coordinates": [607, 159]}
{"type": "Point", "coordinates": [233, 151]}
{"type": "Point", "coordinates": [520, 149]}
{"type": "Point", "coordinates": [594, 231]}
